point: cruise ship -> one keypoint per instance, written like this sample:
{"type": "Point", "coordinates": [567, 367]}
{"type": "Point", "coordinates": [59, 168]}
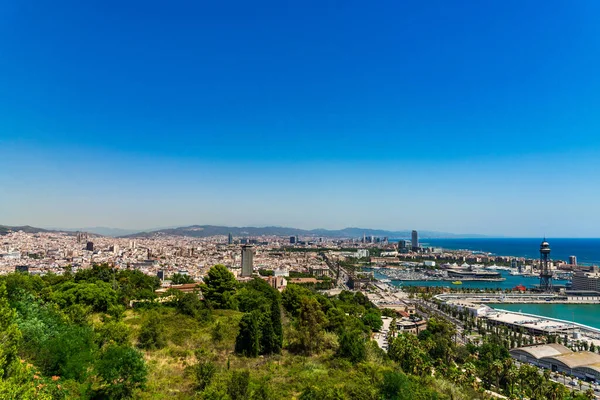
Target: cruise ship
{"type": "Point", "coordinates": [474, 275]}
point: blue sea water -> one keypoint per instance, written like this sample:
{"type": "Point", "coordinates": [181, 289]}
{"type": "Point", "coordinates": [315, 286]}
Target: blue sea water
{"type": "Point", "coordinates": [587, 251]}
{"type": "Point", "coordinates": [509, 283]}
{"type": "Point", "coordinates": [586, 314]}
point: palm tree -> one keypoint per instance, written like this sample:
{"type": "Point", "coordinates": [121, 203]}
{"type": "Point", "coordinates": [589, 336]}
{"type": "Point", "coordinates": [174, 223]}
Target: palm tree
{"type": "Point", "coordinates": [556, 391]}
{"type": "Point", "coordinates": [511, 373]}
{"type": "Point", "coordinates": [496, 369]}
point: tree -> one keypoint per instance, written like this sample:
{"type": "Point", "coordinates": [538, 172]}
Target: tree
{"type": "Point", "coordinates": [406, 350]}
{"type": "Point", "coordinates": [248, 341]}
{"type": "Point", "coordinates": [204, 372]}
{"type": "Point", "coordinates": [238, 385]}
{"type": "Point", "coordinates": [179, 279]}
{"type": "Point", "coordinates": [98, 294]}
{"type": "Point", "coordinates": [69, 352]}
{"type": "Point", "coordinates": [219, 287]}
{"type": "Point", "coordinates": [121, 370]}
{"type": "Point", "coordinates": [268, 341]}
{"type": "Point", "coordinates": [217, 332]}
{"type": "Point", "coordinates": [152, 333]}
{"type": "Point", "coordinates": [112, 332]}
{"type": "Point", "coordinates": [189, 304]}
{"type": "Point", "coordinates": [134, 284]}
{"type": "Point", "coordinates": [277, 326]}
{"type": "Point", "coordinates": [352, 346]}
{"type": "Point", "coordinates": [262, 392]}
{"type": "Point", "coordinates": [291, 298]}
{"type": "Point", "coordinates": [397, 386]}
{"type": "Point", "coordinates": [10, 335]}
{"type": "Point", "coordinates": [260, 332]}
{"type": "Point", "coordinates": [310, 325]}
{"type": "Point", "coordinates": [373, 320]}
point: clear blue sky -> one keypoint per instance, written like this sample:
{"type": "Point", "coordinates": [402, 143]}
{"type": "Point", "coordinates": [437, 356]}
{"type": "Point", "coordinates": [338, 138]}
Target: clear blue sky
{"type": "Point", "coordinates": [458, 116]}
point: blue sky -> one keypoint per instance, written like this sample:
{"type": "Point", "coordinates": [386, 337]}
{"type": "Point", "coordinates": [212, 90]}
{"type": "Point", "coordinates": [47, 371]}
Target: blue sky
{"type": "Point", "coordinates": [466, 117]}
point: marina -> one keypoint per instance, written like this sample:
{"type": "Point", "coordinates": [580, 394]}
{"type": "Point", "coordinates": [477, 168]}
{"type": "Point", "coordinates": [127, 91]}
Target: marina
{"type": "Point", "coordinates": [412, 278]}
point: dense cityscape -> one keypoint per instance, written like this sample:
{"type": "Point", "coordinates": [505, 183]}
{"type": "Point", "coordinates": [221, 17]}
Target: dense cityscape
{"type": "Point", "coordinates": [315, 200]}
{"type": "Point", "coordinates": [372, 266]}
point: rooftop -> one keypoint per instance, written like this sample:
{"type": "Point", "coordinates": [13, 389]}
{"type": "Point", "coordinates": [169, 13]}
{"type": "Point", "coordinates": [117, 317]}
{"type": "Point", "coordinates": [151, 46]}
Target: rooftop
{"type": "Point", "coordinates": [545, 350]}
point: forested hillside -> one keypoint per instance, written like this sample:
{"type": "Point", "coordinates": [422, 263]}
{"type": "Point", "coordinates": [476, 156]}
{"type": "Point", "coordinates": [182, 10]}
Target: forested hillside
{"type": "Point", "coordinates": [72, 337]}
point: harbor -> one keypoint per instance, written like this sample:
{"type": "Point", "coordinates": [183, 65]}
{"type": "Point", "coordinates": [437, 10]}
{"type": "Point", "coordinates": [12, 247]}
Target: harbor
{"type": "Point", "coordinates": [403, 278]}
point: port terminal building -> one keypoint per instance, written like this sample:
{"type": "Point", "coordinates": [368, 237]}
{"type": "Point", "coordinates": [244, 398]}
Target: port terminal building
{"type": "Point", "coordinates": [558, 358]}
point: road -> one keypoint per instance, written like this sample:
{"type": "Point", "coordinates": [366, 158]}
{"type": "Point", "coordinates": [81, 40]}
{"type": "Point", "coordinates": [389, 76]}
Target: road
{"type": "Point", "coordinates": [432, 309]}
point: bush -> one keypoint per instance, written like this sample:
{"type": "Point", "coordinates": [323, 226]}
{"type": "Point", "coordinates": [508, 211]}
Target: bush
{"type": "Point", "coordinates": [352, 346]}
{"type": "Point", "coordinates": [121, 370]}
{"type": "Point", "coordinates": [204, 372]}
{"type": "Point", "coordinates": [152, 333]}
{"type": "Point", "coordinates": [238, 385]}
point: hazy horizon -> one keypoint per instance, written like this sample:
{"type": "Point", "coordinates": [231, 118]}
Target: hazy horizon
{"type": "Point", "coordinates": [423, 233]}
{"type": "Point", "coordinates": [462, 118]}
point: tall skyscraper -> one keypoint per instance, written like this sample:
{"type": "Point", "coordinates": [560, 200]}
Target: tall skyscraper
{"type": "Point", "coordinates": [573, 260]}
{"type": "Point", "coordinates": [247, 260]}
{"type": "Point", "coordinates": [415, 240]}
{"type": "Point", "coordinates": [292, 239]}
{"type": "Point", "coordinates": [545, 273]}
{"type": "Point", "coordinates": [89, 246]}
{"type": "Point", "coordinates": [230, 238]}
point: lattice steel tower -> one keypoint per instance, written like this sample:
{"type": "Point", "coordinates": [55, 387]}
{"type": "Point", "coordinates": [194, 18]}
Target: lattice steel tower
{"type": "Point", "coordinates": [545, 273]}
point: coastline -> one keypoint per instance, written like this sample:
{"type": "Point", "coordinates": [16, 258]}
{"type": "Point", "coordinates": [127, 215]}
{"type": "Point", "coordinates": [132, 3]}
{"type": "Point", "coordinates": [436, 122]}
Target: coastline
{"type": "Point", "coordinates": [594, 330]}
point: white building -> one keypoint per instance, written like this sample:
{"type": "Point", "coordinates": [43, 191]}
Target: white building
{"type": "Point", "coordinates": [362, 253]}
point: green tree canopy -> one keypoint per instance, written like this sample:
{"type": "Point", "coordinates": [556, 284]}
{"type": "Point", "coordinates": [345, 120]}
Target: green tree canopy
{"type": "Point", "coordinates": [10, 334]}
{"type": "Point", "coordinates": [152, 332]}
{"type": "Point", "coordinates": [121, 370]}
{"type": "Point", "coordinates": [292, 296]}
{"type": "Point", "coordinates": [219, 287]}
{"type": "Point", "coordinates": [178, 279]}
{"type": "Point", "coordinates": [99, 295]}
{"type": "Point", "coordinates": [310, 325]}
{"type": "Point", "coordinates": [352, 346]}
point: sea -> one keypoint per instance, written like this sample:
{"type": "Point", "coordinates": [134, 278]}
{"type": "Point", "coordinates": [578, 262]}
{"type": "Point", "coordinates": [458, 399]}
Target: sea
{"type": "Point", "coordinates": [586, 314]}
{"type": "Point", "coordinates": [509, 283]}
{"type": "Point", "coordinates": [587, 251]}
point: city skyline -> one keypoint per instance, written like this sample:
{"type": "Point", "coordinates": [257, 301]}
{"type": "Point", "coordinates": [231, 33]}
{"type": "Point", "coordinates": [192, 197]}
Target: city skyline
{"type": "Point", "coordinates": [463, 118]}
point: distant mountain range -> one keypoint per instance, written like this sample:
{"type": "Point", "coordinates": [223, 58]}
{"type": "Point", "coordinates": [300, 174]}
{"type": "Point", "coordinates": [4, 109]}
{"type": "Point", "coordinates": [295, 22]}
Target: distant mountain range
{"type": "Point", "coordinates": [5, 229]}
{"type": "Point", "coordinates": [25, 228]}
{"type": "Point", "coordinates": [101, 230]}
{"type": "Point", "coordinates": [212, 230]}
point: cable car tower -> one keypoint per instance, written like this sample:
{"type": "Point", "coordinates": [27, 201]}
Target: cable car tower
{"type": "Point", "coordinates": [545, 273]}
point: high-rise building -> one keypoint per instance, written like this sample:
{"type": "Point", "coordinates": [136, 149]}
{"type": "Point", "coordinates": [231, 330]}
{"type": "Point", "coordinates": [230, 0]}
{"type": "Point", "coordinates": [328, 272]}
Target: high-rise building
{"type": "Point", "coordinates": [89, 246]}
{"type": "Point", "coordinates": [293, 240]}
{"type": "Point", "coordinates": [572, 260]}
{"type": "Point", "coordinates": [230, 238]}
{"type": "Point", "coordinates": [415, 240]}
{"type": "Point", "coordinates": [247, 260]}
